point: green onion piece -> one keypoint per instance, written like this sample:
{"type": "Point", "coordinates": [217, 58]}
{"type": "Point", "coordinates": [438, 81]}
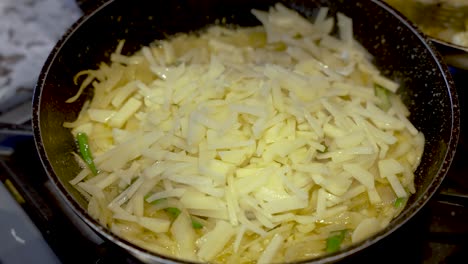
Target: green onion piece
{"type": "Point", "coordinates": [399, 202]}
{"type": "Point", "coordinates": [384, 95]}
{"type": "Point", "coordinates": [173, 211]}
{"type": "Point", "coordinates": [334, 240]}
{"type": "Point", "coordinates": [85, 151]}
{"type": "Point", "coordinates": [196, 224]}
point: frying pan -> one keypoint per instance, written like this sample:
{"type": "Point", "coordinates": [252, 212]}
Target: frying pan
{"type": "Point", "coordinates": [401, 52]}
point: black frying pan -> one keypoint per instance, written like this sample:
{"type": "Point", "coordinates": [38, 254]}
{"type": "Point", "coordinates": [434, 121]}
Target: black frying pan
{"type": "Point", "coordinates": [400, 51]}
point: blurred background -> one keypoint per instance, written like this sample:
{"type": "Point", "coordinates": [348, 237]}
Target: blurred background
{"type": "Point", "coordinates": [28, 31]}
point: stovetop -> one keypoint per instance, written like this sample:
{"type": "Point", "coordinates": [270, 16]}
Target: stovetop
{"type": "Point", "coordinates": [436, 234]}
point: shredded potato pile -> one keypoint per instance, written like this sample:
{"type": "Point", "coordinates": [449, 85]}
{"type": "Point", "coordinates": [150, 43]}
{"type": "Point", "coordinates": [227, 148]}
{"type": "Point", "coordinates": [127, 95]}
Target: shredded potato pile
{"type": "Point", "coordinates": [265, 144]}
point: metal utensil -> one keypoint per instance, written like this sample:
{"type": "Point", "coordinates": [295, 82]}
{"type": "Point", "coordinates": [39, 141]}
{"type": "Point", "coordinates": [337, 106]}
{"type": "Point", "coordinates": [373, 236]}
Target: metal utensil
{"type": "Point", "coordinates": [448, 16]}
{"type": "Point", "coordinates": [454, 18]}
{"type": "Point", "coordinates": [439, 16]}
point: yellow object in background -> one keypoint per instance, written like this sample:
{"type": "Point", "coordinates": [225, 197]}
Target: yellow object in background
{"type": "Point", "coordinates": [446, 20]}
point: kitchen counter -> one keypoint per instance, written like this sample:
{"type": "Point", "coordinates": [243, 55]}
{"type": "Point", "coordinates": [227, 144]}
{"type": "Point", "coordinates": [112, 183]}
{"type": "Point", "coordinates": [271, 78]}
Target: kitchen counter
{"type": "Point", "coordinates": [28, 31]}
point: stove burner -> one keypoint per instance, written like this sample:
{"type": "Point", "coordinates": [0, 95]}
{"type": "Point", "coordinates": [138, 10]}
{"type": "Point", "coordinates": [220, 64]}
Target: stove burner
{"type": "Point", "coordinates": [436, 234]}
